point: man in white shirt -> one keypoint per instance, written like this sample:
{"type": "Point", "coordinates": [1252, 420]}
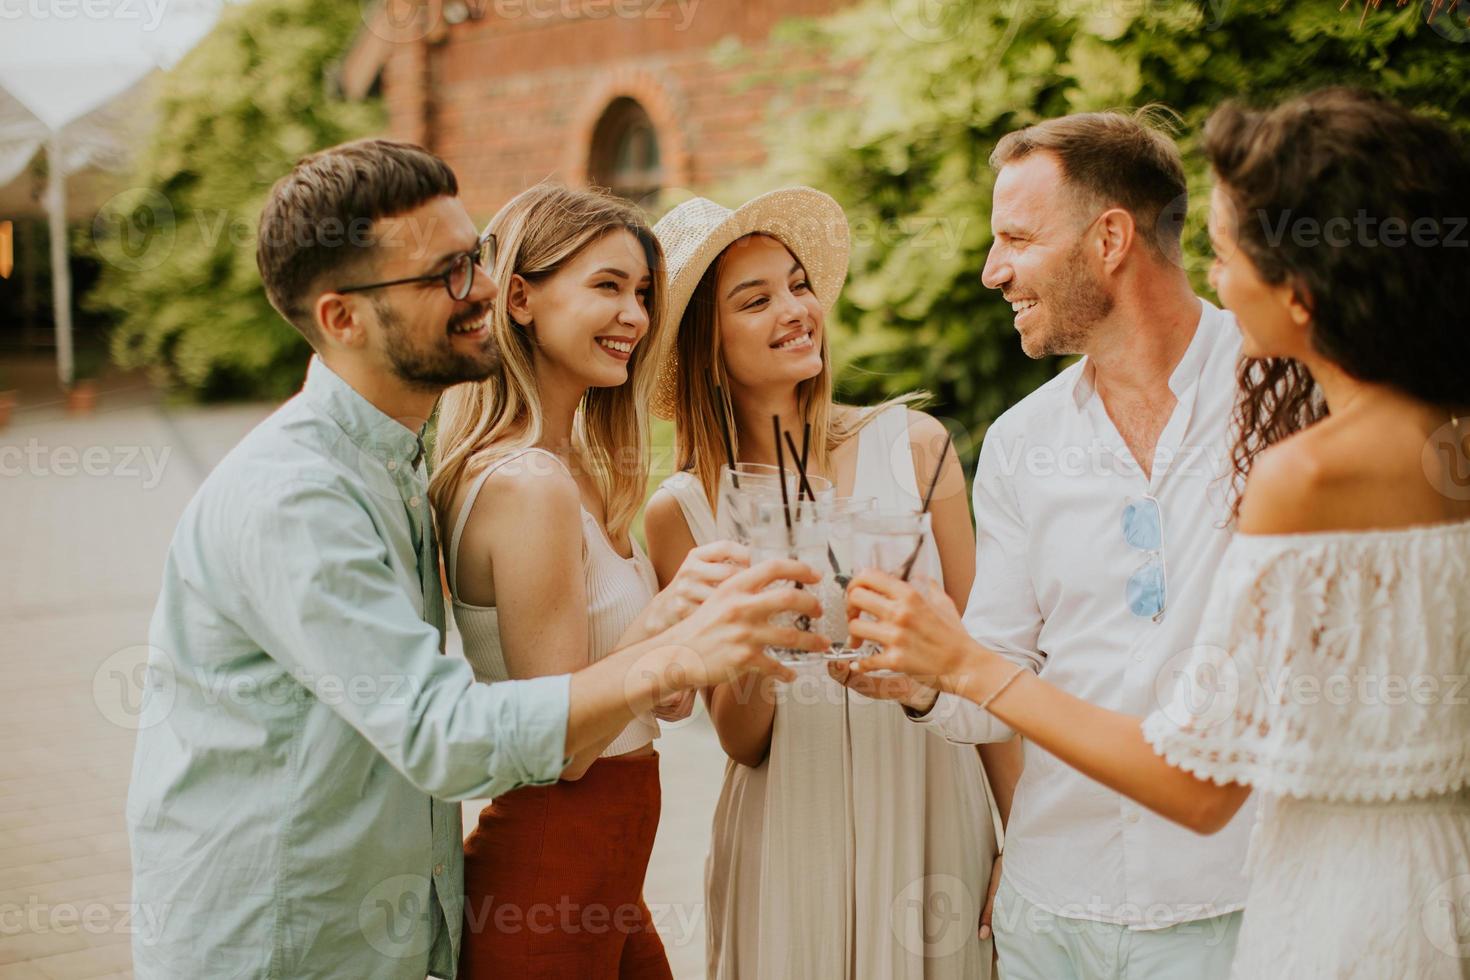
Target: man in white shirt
{"type": "Point", "coordinates": [1101, 502]}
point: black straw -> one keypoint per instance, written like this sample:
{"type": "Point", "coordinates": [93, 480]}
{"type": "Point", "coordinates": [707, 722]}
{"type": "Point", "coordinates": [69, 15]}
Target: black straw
{"type": "Point", "coordinates": [908, 565]}
{"type": "Point", "coordinates": [781, 468]}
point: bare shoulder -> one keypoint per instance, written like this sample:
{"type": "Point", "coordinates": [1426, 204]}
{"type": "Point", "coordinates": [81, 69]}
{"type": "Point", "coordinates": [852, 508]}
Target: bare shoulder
{"type": "Point", "coordinates": [1283, 491]}
{"type": "Point", "coordinates": [927, 438]}
{"type": "Point", "coordinates": [1358, 476]}
{"type": "Point", "coordinates": [922, 425]}
{"type": "Point", "coordinates": [662, 516]}
{"type": "Point", "coordinates": [668, 535]}
{"type": "Point", "coordinates": [531, 490]}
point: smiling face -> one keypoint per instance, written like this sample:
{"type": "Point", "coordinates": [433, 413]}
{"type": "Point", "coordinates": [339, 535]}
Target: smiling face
{"type": "Point", "coordinates": [590, 315]}
{"type": "Point", "coordinates": [1039, 259]}
{"type": "Point", "coordinates": [418, 332]}
{"type": "Point", "coordinates": [770, 321]}
{"type": "Point", "coordinates": [1273, 323]}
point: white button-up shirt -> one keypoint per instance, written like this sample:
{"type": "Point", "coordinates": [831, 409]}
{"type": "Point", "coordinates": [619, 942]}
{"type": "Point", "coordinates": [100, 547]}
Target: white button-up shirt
{"type": "Point", "coordinates": [1050, 593]}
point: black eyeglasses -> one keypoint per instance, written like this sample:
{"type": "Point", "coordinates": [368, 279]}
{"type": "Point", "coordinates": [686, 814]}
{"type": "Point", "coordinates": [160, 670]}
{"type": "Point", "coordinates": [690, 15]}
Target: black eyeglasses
{"type": "Point", "coordinates": [458, 279]}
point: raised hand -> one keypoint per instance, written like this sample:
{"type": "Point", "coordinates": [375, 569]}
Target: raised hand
{"type": "Point", "coordinates": [915, 623]}
{"type": "Point", "coordinates": [727, 635]}
{"type": "Point", "coordinates": [704, 570]}
{"type": "Point", "coordinates": [892, 687]}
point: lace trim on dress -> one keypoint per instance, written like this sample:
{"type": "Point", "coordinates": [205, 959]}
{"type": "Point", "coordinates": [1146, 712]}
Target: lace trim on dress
{"type": "Point", "coordinates": [1329, 666]}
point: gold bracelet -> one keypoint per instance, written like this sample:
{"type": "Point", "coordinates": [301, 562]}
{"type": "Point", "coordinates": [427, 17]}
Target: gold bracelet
{"type": "Point", "coordinates": [1001, 690]}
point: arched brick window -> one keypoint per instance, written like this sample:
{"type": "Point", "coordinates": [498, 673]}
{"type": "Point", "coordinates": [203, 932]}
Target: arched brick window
{"type": "Point", "coordinates": [624, 155]}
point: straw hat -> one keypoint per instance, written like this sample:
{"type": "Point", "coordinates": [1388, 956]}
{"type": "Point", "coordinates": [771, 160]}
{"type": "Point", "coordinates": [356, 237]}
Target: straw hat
{"type": "Point", "coordinates": [809, 223]}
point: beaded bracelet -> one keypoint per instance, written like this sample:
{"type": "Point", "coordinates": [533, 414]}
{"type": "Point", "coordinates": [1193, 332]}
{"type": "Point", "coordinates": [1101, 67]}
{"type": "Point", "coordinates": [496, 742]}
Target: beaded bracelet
{"type": "Point", "coordinates": [1000, 690]}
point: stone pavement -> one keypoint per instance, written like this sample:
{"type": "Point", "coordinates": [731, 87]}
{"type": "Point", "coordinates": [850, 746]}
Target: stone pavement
{"type": "Point", "coordinates": [87, 507]}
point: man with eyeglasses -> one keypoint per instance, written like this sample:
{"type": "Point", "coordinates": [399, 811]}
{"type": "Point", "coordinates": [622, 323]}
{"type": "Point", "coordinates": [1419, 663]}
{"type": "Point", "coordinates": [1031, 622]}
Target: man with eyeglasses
{"type": "Point", "coordinates": [1101, 504]}
{"type": "Point", "coordinates": [301, 731]}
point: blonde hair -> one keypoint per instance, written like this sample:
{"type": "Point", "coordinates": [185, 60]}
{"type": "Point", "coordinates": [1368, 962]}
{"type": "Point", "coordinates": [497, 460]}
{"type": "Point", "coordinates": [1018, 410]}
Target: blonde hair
{"type": "Point", "coordinates": [698, 442]}
{"type": "Point", "coordinates": [539, 231]}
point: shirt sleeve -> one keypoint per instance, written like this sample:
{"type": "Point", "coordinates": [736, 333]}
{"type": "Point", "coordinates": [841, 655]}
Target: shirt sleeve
{"type": "Point", "coordinates": [319, 597]}
{"type": "Point", "coordinates": [1002, 613]}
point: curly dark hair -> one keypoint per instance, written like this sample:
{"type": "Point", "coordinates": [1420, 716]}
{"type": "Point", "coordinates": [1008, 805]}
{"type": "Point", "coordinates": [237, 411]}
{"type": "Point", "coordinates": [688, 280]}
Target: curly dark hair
{"type": "Point", "coordinates": [1387, 293]}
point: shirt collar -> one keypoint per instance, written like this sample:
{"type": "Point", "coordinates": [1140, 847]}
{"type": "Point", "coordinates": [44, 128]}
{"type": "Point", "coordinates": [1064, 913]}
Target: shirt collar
{"type": "Point", "coordinates": [364, 423]}
{"type": "Point", "coordinates": [1186, 373]}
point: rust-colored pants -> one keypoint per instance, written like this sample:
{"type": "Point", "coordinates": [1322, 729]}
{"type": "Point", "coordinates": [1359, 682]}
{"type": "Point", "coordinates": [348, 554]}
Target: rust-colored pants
{"type": "Point", "coordinates": [553, 880]}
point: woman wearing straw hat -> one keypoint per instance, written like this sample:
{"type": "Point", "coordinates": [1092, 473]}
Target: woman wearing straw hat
{"type": "Point", "coordinates": [847, 842]}
{"type": "Point", "coordinates": [539, 454]}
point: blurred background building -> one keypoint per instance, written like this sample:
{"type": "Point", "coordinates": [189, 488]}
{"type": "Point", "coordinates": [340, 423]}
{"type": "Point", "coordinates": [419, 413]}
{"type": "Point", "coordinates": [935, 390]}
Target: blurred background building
{"type": "Point", "coordinates": [640, 96]}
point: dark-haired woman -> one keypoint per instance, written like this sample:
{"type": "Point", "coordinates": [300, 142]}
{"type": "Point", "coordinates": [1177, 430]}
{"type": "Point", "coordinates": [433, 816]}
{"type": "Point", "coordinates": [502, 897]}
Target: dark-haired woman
{"type": "Point", "coordinates": [1329, 671]}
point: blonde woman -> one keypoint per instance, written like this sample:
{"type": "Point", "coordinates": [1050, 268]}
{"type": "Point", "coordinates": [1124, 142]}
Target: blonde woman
{"type": "Point", "coordinates": [847, 842]}
{"type": "Point", "coordinates": [540, 472]}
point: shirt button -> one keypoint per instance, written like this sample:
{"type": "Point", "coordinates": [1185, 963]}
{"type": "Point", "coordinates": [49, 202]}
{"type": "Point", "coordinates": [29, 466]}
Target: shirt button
{"type": "Point", "coordinates": [438, 870]}
{"type": "Point", "coordinates": [1131, 816]}
{"type": "Point", "coordinates": [414, 502]}
{"type": "Point", "coordinates": [392, 466]}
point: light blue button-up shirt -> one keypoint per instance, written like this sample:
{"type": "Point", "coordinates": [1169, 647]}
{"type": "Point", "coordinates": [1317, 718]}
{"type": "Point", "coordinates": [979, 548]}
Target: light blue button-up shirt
{"type": "Point", "coordinates": [301, 728]}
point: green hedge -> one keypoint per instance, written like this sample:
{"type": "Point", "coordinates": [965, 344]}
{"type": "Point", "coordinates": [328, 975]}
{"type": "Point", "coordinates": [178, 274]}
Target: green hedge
{"type": "Point", "coordinates": [938, 83]}
{"type": "Point", "coordinates": [178, 250]}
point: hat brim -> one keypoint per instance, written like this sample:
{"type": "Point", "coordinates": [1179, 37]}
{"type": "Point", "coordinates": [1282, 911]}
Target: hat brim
{"type": "Point", "coordinates": [809, 223]}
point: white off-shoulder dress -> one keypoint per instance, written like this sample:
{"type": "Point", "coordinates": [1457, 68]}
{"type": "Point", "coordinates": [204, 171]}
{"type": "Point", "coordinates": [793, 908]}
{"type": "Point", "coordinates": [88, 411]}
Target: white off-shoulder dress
{"type": "Point", "coordinates": [1330, 675]}
{"type": "Point", "coordinates": [861, 849]}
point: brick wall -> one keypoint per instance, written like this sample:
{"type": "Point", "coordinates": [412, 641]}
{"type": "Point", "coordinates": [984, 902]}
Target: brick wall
{"type": "Point", "coordinates": [513, 96]}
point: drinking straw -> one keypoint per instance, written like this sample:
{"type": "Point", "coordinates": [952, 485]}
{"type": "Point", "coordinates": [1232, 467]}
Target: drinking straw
{"type": "Point", "coordinates": [806, 487]}
{"type": "Point", "coordinates": [781, 468]}
{"type": "Point", "coordinates": [908, 565]}
{"type": "Point", "coordinates": [803, 621]}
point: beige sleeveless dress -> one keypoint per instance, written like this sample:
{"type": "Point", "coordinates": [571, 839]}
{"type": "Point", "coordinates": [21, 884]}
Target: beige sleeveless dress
{"type": "Point", "coordinates": [862, 847]}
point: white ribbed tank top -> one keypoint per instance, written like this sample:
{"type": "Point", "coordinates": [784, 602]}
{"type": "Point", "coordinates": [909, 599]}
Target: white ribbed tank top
{"type": "Point", "coordinates": [617, 589]}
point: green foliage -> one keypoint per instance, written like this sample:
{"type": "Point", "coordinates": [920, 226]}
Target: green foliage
{"type": "Point", "coordinates": [937, 84]}
{"type": "Point", "coordinates": [178, 250]}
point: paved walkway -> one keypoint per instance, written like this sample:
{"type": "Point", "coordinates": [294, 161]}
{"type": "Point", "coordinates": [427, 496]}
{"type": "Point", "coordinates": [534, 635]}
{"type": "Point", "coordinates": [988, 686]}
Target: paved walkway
{"type": "Point", "coordinates": [87, 507]}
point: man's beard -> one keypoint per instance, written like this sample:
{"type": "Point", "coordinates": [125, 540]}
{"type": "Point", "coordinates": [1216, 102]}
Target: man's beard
{"type": "Point", "coordinates": [437, 365]}
{"type": "Point", "coordinates": [1076, 302]}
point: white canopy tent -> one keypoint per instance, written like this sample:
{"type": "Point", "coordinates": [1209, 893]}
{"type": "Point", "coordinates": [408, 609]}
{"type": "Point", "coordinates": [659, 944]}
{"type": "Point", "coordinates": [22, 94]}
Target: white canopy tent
{"type": "Point", "coordinates": [69, 74]}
